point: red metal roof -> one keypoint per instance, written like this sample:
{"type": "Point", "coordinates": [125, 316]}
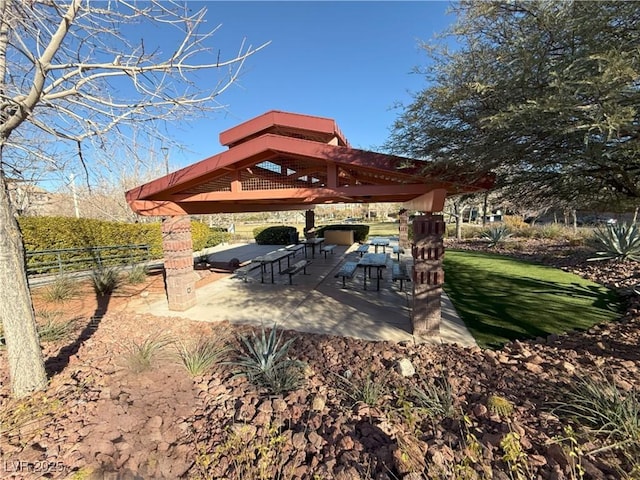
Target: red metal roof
{"type": "Point", "coordinates": [287, 161]}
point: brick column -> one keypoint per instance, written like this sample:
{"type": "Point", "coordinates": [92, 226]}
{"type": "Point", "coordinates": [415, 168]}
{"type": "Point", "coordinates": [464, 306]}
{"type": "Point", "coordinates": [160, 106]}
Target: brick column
{"type": "Point", "coordinates": [403, 217]}
{"type": "Point", "coordinates": [428, 276]}
{"type": "Point", "coordinates": [180, 280]}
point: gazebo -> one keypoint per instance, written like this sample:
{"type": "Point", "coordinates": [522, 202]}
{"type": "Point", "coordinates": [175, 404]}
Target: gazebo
{"type": "Point", "coordinates": [289, 161]}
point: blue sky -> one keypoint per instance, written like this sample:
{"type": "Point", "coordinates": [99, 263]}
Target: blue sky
{"type": "Point", "coordinates": [350, 61]}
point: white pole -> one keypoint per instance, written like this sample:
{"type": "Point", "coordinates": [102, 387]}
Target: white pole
{"type": "Point", "coordinates": [72, 178]}
{"type": "Point", "coordinates": [165, 150]}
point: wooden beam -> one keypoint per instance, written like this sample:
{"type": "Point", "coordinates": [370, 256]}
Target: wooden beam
{"type": "Point", "coordinates": [293, 194]}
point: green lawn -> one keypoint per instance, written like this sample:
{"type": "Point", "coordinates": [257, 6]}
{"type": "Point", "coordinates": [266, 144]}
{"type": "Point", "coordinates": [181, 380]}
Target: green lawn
{"type": "Point", "coordinates": [502, 299]}
{"type": "Point", "coordinates": [384, 229]}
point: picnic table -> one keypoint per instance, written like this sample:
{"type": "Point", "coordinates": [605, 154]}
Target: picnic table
{"type": "Point", "coordinates": [312, 242]}
{"type": "Point", "coordinates": [379, 242]}
{"type": "Point", "coordinates": [370, 261]}
{"type": "Point", "coordinates": [271, 258]}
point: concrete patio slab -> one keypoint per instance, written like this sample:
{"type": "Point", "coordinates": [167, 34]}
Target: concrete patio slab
{"type": "Point", "coordinates": [316, 302]}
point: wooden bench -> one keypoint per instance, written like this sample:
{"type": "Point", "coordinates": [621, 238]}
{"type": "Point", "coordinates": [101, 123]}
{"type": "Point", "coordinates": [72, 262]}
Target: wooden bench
{"type": "Point", "coordinates": [295, 268]}
{"type": "Point", "coordinates": [400, 272]}
{"type": "Point", "coordinates": [362, 249]}
{"type": "Point", "coordinates": [327, 249]}
{"type": "Point", "coordinates": [347, 270]}
{"type": "Point", "coordinates": [244, 270]}
{"type": "Point", "coordinates": [398, 250]}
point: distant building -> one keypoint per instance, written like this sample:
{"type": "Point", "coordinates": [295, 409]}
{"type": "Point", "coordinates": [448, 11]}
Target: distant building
{"type": "Point", "coordinates": [29, 199]}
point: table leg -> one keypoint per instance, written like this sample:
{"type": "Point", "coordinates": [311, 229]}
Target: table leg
{"type": "Point", "coordinates": [272, 279]}
{"type": "Point", "coordinates": [263, 267]}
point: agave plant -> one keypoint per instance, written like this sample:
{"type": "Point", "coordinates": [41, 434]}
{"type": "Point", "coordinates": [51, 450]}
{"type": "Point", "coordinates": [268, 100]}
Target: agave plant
{"type": "Point", "coordinates": [619, 243]}
{"type": "Point", "coordinates": [496, 235]}
{"type": "Point", "coordinates": [267, 364]}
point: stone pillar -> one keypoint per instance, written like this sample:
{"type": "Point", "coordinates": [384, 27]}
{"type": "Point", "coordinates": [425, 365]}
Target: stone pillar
{"type": "Point", "coordinates": [403, 217]}
{"type": "Point", "coordinates": [180, 280]}
{"type": "Point", "coordinates": [310, 224]}
{"type": "Point", "coordinates": [428, 275]}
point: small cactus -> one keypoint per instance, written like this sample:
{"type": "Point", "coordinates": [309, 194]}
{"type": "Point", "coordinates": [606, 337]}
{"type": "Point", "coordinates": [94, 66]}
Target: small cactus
{"type": "Point", "coordinates": [498, 405]}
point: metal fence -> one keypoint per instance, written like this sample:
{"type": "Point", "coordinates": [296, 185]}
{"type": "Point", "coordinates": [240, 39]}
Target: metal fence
{"type": "Point", "coordinates": [42, 262]}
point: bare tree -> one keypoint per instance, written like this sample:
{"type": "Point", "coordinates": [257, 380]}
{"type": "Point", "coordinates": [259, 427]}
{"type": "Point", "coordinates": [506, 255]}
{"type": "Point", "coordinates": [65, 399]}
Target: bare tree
{"type": "Point", "coordinates": [68, 72]}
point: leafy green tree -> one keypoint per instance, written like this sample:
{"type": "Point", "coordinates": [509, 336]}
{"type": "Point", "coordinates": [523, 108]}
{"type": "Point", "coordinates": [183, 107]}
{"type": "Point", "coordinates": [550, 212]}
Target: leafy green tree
{"type": "Point", "coordinates": [544, 94]}
{"type": "Point", "coordinates": [70, 73]}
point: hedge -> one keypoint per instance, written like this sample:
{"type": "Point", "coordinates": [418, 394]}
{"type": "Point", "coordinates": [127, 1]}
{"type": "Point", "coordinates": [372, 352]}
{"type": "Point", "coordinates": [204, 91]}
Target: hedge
{"type": "Point", "coordinates": [280, 235]}
{"type": "Point", "coordinates": [52, 233]}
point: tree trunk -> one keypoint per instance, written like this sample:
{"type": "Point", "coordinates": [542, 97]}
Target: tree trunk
{"type": "Point", "coordinates": [574, 214]}
{"type": "Point", "coordinates": [26, 364]}
{"type": "Point", "coordinates": [484, 209]}
{"type": "Point", "coordinates": [459, 212]}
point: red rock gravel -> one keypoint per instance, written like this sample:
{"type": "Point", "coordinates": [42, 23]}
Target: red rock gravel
{"type": "Point", "coordinates": [99, 418]}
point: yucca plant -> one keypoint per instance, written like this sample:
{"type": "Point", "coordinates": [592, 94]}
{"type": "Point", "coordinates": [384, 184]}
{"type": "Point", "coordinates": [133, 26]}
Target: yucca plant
{"type": "Point", "coordinates": [266, 363]}
{"type": "Point", "coordinates": [496, 235]}
{"type": "Point", "coordinates": [105, 280]}
{"type": "Point", "coordinates": [618, 243]}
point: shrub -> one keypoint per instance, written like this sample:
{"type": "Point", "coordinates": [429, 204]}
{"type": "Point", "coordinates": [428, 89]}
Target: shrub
{"type": "Point", "coordinates": [46, 233]}
{"type": "Point", "coordinates": [551, 232]}
{"type": "Point", "coordinates": [368, 390]}
{"type": "Point", "coordinates": [618, 243]}
{"type": "Point", "coordinates": [496, 235]}
{"type": "Point", "coordinates": [53, 329]}
{"type": "Point", "coordinates": [246, 453]}
{"type": "Point", "coordinates": [435, 398]}
{"type": "Point", "coordinates": [216, 237]}
{"type": "Point", "coordinates": [612, 415]}
{"type": "Point", "coordinates": [137, 274]}
{"type": "Point", "coordinates": [266, 363]}
{"type": "Point", "coordinates": [140, 355]}
{"type": "Point", "coordinates": [468, 231]}
{"type": "Point", "coordinates": [514, 222]}
{"type": "Point", "coordinates": [279, 235]}
{"type": "Point", "coordinates": [62, 288]}
{"type": "Point", "coordinates": [204, 236]}
{"type": "Point", "coordinates": [105, 280]}
{"type": "Point", "coordinates": [201, 356]}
